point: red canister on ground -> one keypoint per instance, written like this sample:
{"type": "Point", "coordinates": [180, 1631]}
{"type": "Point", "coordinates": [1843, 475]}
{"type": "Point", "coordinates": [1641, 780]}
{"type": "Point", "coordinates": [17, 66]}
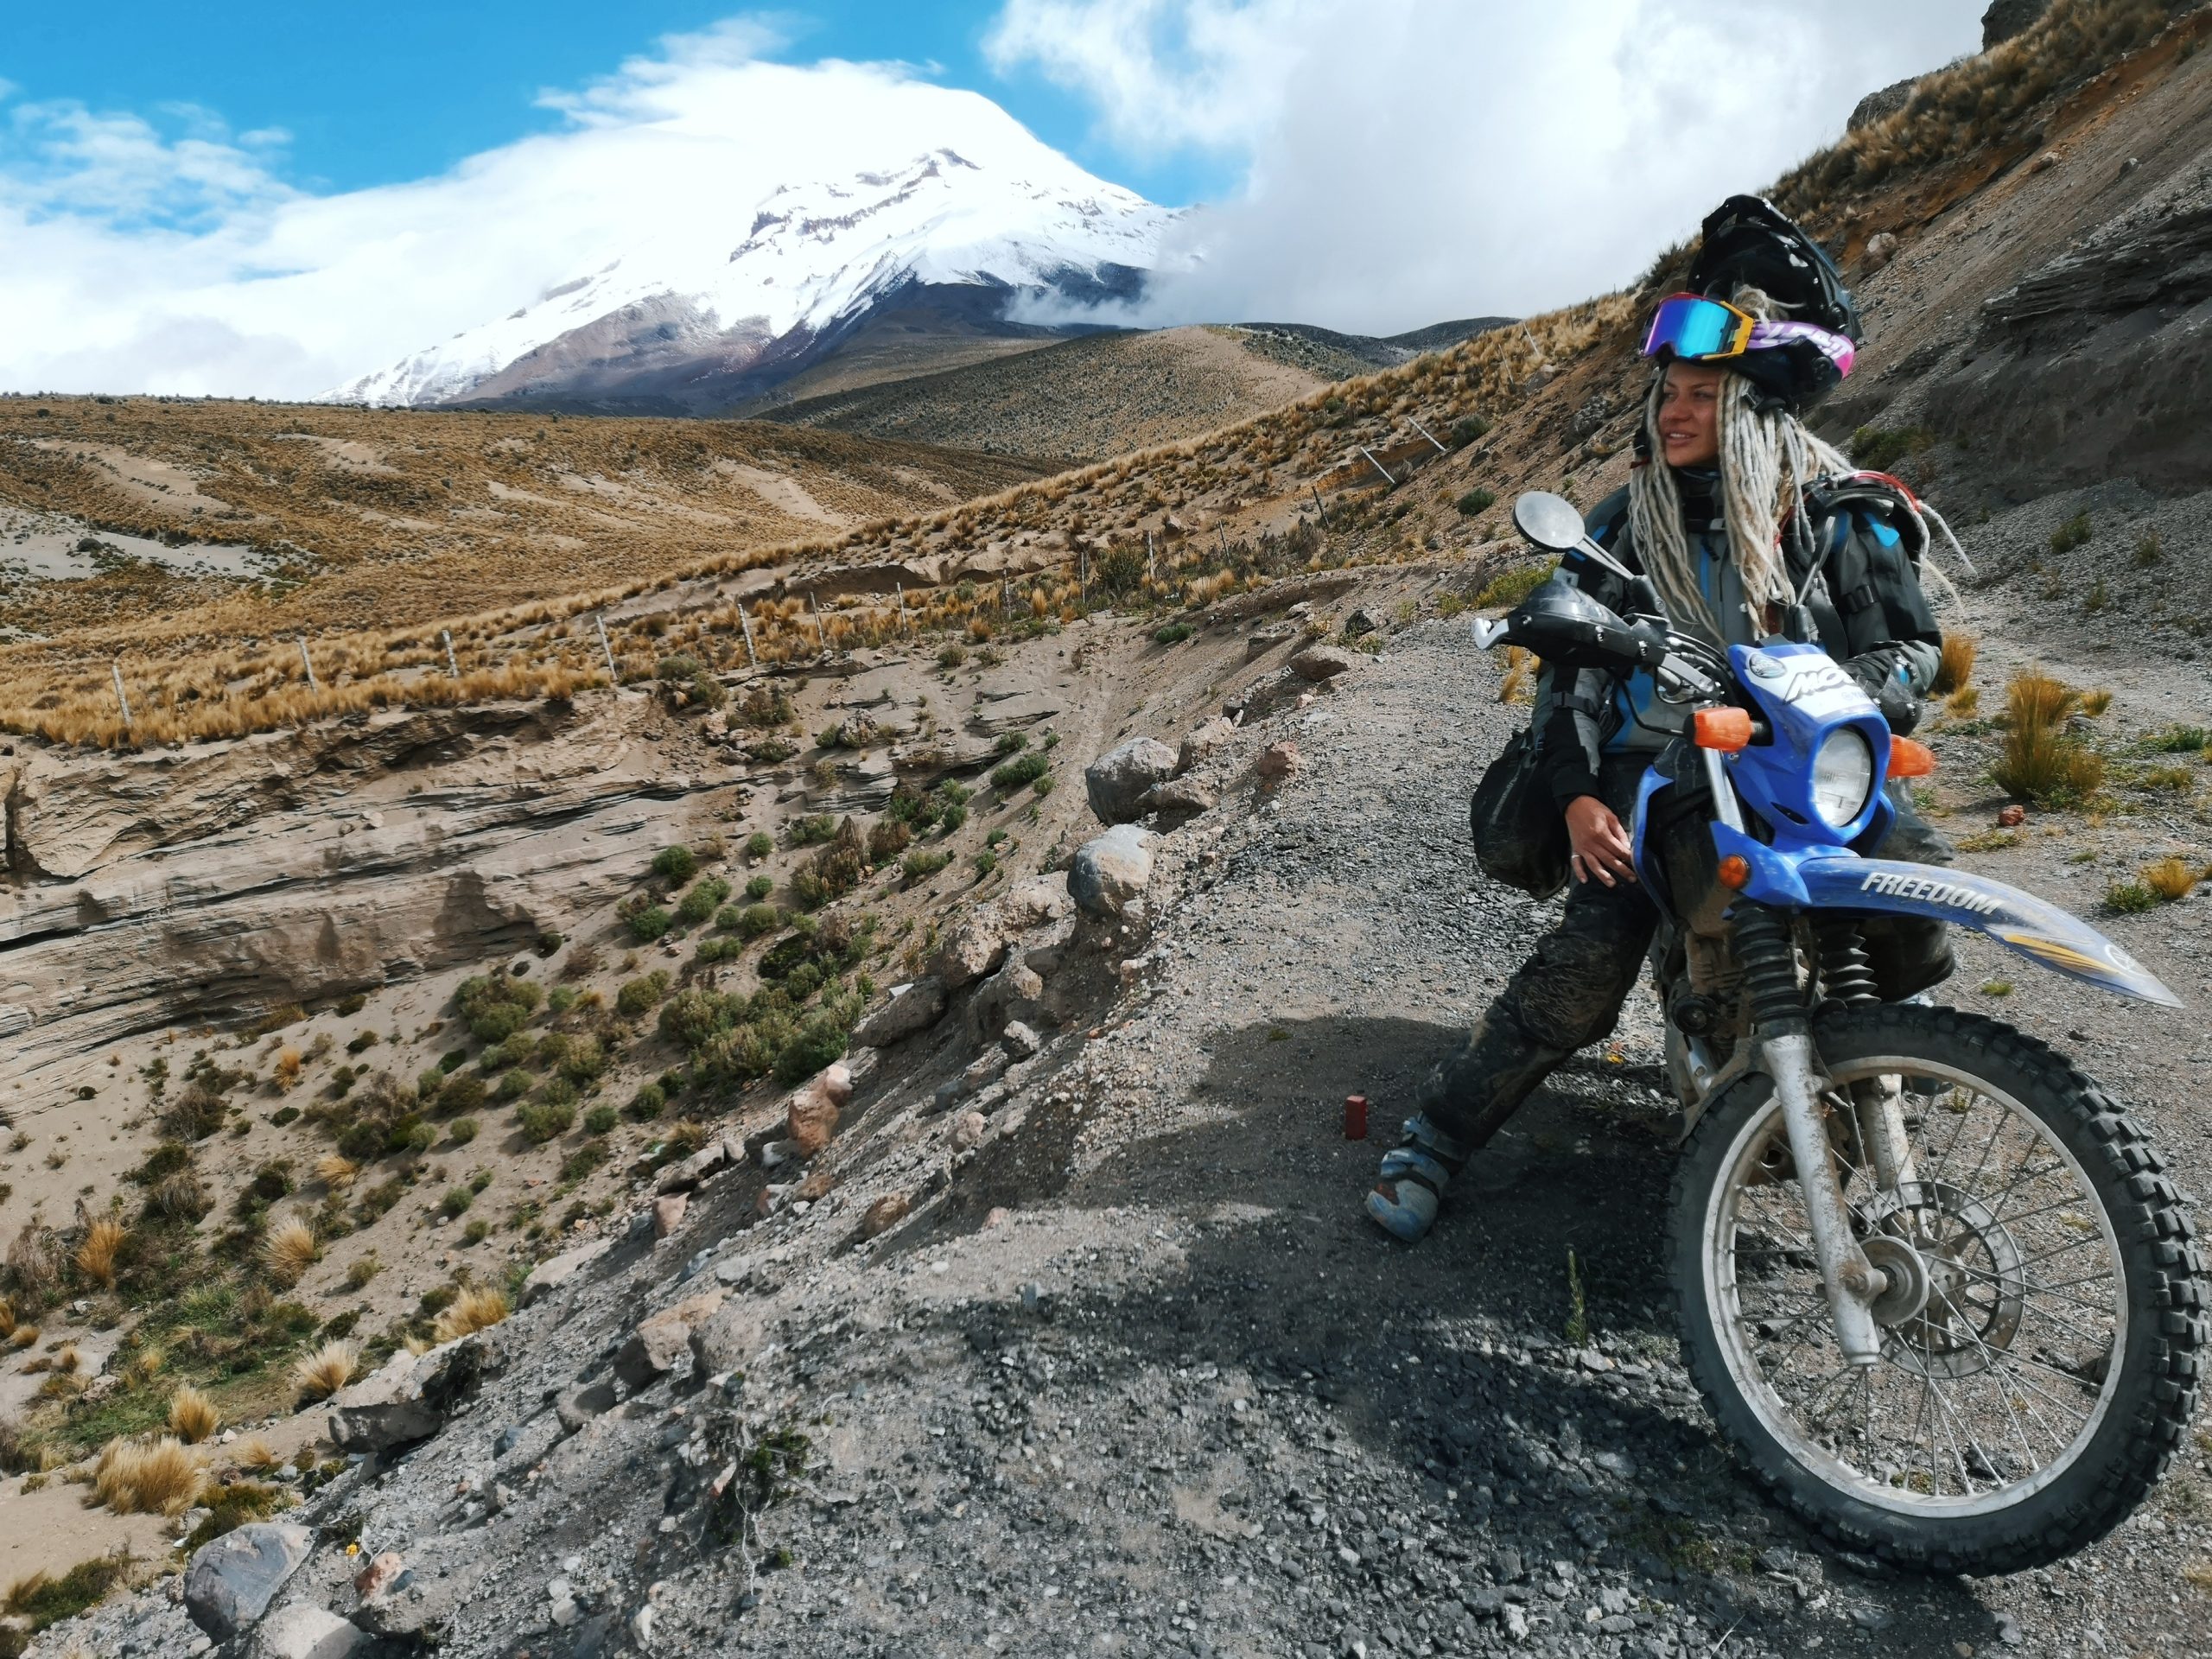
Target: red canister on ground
{"type": "Point", "coordinates": [1355, 1117]}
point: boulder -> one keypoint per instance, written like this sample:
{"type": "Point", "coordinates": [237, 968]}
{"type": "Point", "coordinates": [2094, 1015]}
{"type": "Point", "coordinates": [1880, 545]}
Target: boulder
{"type": "Point", "coordinates": [884, 1214]}
{"type": "Point", "coordinates": [976, 945]}
{"type": "Point", "coordinates": [719, 1155]}
{"type": "Point", "coordinates": [2006, 18]}
{"type": "Point", "coordinates": [378, 1576]}
{"type": "Point", "coordinates": [661, 1338]}
{"type": "Point", "coordinates": [1880, 105]}
{"type": "Point", "coordinates": [304, 1630]}
{"type": "Point", "coordinates": [1107, 875]}
{"type": "Point", "coordinates": [1181, 799]}
{"type": "Point", "coordinates": [1020, 1041]}
{"type": "Point", "coordinates": [1035, 903]}
{"type": "Point", "coordinates": [1881, 248]}
{"type": "Point", "coordinates": [573, 1408]}
{"type": "Point", "coordinates": [912, 1008]}
{"type": "Point", "coordinates": [1278, 760]}
{"type": "Point", "coordinates": [668, 1214]}
{"type": "Point", "coordinates": [1358, 622]}
{"type": "Point", "coordinates": [967, 1132]}
{"type": "Point", "coordinates": [407, 1398]}
{"type": "Point", "coordinates": [1202, 744]}
{"type": "Point", "coordinates": [1318, 662]}
{"type": "Point", "coordinates": [554, 1272]}
{"type": "Point", "coordinates": [1008, 994]}
{"type": "Point", "coordinates": [1117, 779]}
{"type": "Point", "coordinates": [422, 1601]}
{"type": "Point", "coordinates": [810, 1116]}
{"type": "Point", "coordinates": [231, 1581]}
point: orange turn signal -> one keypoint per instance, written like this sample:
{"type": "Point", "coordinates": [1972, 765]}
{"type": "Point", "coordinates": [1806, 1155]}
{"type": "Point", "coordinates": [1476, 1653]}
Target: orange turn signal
{"type": "Point", "coordinates": [1727, 729]}
{"type": "Point", "coordinates": [1910, 759]}
{"type": "Point", "coordinates": [1736, 872]}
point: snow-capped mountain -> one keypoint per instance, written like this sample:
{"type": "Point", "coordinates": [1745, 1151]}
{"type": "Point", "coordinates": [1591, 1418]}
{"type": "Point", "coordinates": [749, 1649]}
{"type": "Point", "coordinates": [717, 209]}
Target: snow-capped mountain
{"type": "Point", "coordinates": [940, 199]}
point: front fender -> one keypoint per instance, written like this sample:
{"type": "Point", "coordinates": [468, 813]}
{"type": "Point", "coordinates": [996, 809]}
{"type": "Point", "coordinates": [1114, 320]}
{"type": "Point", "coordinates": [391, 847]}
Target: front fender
{"type": "Point", "coordinates": [2018, 920]}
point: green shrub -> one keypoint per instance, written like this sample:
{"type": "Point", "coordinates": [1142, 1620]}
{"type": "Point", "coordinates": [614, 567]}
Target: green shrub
{"type": "Point", "coordinates": [362, 1039]}
{"type": "Point", "coordinates": [453, 1059]}
{"type": "Point", "coordinates": [1514, 585]}
{"type": "Point", "coordinates": [2130, 898]}
{"type": "Point", "coordinates": [813, 829]}
{"type": "Point", "coordinates": [461, 1131]}
{"type": "Point", "coordinates": [759, 844]}
{"type": "Point", "coordinates": [639, 997]}
{"type": "Point", "coordinates": [1467, 429]}
{"type": "Point", "coordinates": [756, 920]}
{"type": "Point", "coordinates": [2074, 532]}
{"type": "Point", "coordinates": [1878, 448]}
{"type": "Point", "coordinates": [1022, 770]}
{"type": "Point", "coordinates": [759, 888]}
{"type": "Point", "coordinates": [1475, 501]}
{"type": "Point", "coordinates": [585, 1060]}
{"type": "Point", "coordinates": [476, 1232]}
{"type": "Point", "coordinates": [674, 864]}
{"type": "Point", "coordinates": [649, 1102]}
{"type": "Point", "coordinates": [584, 1159]}
{"type": "Point", "coordinates": [456, 1200]}
{"type": "Point", "coordinates": [694, 1015]}
{"type": "Point", "coordinates": [700, 901]}
{"type": "Point", "coordinates": [888, 837]}
{"type": "Point", "coordinates": [540, 1121]}
{"type": "Point", "coordinates": [920, 866]}
{"type": "Point", "coordinates": [1173, 634]}
{"type": "Point", "coordinates": [601, 1119]}
{"type": "Point", "coordinates": [461, 1093]}
{"type": "Point", "coordinates": [765, 706]}
{"type": "Point", "coordinates": [1012, 742]}
{"type": "Point", "coordinates": [499, 1022]}
{"type": "Point", "coordinates": [820, 1039]}
{"type": "Point", "coordinates": [648, 923]}
{"type": "Point", "coordinates": [513, 1086]}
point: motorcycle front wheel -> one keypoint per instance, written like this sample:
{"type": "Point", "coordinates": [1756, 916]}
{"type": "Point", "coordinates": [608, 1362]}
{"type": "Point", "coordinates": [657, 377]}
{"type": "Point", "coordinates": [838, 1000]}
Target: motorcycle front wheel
{"type": "Point", "coordinates": [2040, 1348]}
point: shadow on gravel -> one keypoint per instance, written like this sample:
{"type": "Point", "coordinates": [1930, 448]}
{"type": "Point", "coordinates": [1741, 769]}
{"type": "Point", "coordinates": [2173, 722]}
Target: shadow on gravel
{"type": "Point", "coordinates": [1286, 1282]}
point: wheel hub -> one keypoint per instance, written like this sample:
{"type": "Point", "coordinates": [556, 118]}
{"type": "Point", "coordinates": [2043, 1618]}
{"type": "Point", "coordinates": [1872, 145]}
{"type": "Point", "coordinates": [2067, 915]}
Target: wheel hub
{"type": "Point", "coordinates": [1910, 1282]}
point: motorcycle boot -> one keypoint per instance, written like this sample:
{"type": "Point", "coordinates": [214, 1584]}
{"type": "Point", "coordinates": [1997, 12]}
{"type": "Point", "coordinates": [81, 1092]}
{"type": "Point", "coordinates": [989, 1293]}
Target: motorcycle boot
{"type": "Point", "coordinates": [1411, 1183]}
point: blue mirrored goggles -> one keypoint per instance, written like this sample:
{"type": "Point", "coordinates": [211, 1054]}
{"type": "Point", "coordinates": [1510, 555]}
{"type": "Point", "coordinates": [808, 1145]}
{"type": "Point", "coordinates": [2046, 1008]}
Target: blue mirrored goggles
{"type": "Point", "coordinates": [1691, 326]}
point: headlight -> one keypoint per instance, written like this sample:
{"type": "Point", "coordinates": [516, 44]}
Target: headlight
{"type": "Point", "coordinates": [1843, 776]}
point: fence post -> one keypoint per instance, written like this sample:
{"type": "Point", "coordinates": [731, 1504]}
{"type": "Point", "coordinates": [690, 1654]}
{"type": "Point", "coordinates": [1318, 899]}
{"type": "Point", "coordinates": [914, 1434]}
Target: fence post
{"type": "Point", "coordinates": [307, 663]}
{"type": "Point", "coordinates": [1148, 571]}
{"type": "Point", "coordinates": [599, 622]}
{"type": "Point", "coordinates": [121, 699]}
{"type": "Point", "coordinates": [1430, 436]}
{"type": "Point", "coordinates": [744, 627]}
{"type": "Point", "coordinates": [821, 634]}
{"type": "Point", "coordinates": [1376, 465]}
{"type": "Point", "coordinates": [899, 588]}
{"type": "Point", "coordinates": [453, 665]}
{"type": "Point", "coordinates": [1082, 575]}
{"type": "Point", "coordinates": [1320, 512]}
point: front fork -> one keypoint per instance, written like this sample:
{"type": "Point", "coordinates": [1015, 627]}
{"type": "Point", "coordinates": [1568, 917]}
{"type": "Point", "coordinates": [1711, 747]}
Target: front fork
{"type": "Point", "coordinates": [1783, 1037]}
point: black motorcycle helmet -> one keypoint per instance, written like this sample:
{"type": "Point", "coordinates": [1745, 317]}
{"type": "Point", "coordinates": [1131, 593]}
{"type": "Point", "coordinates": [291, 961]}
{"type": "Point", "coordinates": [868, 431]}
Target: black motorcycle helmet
{"type": "Point", "coordinates": [1746, 242]}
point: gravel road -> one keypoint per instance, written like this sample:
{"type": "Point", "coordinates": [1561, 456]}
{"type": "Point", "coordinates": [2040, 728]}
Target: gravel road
{"type": "Point", "coordinates": [1134, 1379]}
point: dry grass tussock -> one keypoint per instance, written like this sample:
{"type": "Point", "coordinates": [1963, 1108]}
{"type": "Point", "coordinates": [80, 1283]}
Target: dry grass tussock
{"type": "Point", "coordinates": [329, 1369]}
{"type": "Point", "coordinates": [2044, 761]}
{"type": "Point", "coordinates": [475, 1309]}
{"type": "Point", "coordinates": [1955, 669]}
{"type": "Point", "coordinates": [289, 1249]}
{"type": "Point", "coordinates": [96, 1255]}
{"type": "Point", "coordinates": [157, 1477]}
{"type": "Point", "coordinates": [193, 1416]}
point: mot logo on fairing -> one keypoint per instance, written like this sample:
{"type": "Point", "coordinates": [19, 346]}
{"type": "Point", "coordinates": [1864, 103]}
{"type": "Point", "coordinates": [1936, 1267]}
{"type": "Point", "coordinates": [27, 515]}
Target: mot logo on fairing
{"type": "Point", "coordinates": [1929, 890]}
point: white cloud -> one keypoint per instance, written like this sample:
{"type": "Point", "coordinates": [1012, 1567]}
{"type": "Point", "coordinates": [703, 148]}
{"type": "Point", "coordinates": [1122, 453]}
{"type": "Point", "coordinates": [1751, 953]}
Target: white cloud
{"type": "Point", "coordinates": [170, 256]}
{"type": "Point", "coordinates": [1408, 161]}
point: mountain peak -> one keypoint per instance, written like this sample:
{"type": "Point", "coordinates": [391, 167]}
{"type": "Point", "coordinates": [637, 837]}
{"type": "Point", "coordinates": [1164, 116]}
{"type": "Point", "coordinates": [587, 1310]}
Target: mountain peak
{"type": "Point", "coordinates": [746, 292]}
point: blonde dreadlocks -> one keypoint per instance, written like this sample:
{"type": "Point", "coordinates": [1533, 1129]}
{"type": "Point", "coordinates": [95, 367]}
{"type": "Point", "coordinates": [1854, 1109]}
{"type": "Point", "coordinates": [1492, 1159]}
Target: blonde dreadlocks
{"type": "Point", "coordinates": [1767, 458]}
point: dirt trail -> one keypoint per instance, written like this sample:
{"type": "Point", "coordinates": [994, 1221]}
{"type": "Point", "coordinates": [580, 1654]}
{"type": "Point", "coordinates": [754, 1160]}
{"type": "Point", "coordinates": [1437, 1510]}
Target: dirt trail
{"type": "Point", "coordinates": [1136, 1379]}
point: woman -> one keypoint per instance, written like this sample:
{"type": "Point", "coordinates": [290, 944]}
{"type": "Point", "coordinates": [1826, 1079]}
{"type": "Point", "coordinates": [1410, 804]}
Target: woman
{"type": "Point", "coordinates": [1746, 525]}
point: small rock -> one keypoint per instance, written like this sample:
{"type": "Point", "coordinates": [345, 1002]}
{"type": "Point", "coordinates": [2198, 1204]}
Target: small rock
{"type": "Point", "coordinates": [2045, 162]}
{"type": "Point", "coordinates": [550, 1274]}
{"type": "Point", "coordinates": [810, 1118]}
{"type": "Point", "coordinates": [1881, 248]}
{"type": "Point", "coordinates": [702, 1165]}
{"type": "Point", "coordinates": [573, 1408]}
{"type": "Point", "coordinates": [304, 1630]}
{"type": "Point", "coordinates": [1358, 622]}
{"type": "Point", "coordinates": [668, 1214]}
{"type": "Point", "coordinates": [661, 1338]}
{"type": "Point", "coordinates": [1181, 799]}
{"type": "Point", "coordinates": [377, 1575]}
{"type": "Point", "coordinates": [1278, 761]}
{"type": "Point", "coordinates": [1318, 662]}
{"type": "Point", "coordinates": [884, 1214]}
{"type": "Point", "coordinates": [1020, 1041]}
{"type": "Point", "coordinates": [1108, 874]}
{"type": "Point", "coordinates": [967, 1132]}
{"type": "Point", "coordinates": [2012, 817]}
{"type": "Point", "coordinates": [641, 1626]}
{"type": "Point", "coordinates": [985, 1068]}
{"type": "Point", "coordinates": [1516, 1621]}
{"type": "Point", "coordinates": [1263, 640]}
{"type": "Point", "coordinates": [1202, 744]}
{"type": "Point", "coordinates": [231, 1581]}
{"type": "Point", "coordinates": [912, 1009]}
{"type": "Point", "coordinates": [1117, 779]}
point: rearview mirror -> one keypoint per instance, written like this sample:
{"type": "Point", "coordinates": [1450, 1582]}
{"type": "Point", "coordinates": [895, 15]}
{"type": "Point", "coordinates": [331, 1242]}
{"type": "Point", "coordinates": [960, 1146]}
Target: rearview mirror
{"type": "Point", "coordinates": [1549, 520]}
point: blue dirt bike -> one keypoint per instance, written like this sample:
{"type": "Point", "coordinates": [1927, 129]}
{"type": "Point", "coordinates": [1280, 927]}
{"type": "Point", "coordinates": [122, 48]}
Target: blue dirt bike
{"type": "Point", "coordinates": [1933, 1283]}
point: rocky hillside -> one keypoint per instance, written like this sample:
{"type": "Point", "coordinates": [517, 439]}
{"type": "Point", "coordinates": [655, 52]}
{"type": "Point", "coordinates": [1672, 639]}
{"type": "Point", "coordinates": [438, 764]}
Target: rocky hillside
{"type": "Point", "coordinates": [1112, 393]}
{"type": "Point", "coordinates": [501, 1027]}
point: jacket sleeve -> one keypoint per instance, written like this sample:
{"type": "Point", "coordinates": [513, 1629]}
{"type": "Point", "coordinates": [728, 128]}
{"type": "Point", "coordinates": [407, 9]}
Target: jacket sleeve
{"type": "Point", "coordinates": [1896, 643]}
{"type": "Point", "coordinates": [1571, 703]}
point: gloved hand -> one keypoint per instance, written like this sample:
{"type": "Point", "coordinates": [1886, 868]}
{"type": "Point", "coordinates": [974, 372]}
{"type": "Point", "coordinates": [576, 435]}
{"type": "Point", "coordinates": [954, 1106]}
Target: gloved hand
{"type": "Point", "coordinates": [1877, 672]}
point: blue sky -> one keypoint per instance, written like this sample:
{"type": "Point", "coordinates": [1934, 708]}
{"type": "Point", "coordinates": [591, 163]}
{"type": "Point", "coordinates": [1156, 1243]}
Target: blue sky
{"type": "Point", "coordinates": [399, 89]}
{"type": "Point", "coordinates": [273, 198]}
